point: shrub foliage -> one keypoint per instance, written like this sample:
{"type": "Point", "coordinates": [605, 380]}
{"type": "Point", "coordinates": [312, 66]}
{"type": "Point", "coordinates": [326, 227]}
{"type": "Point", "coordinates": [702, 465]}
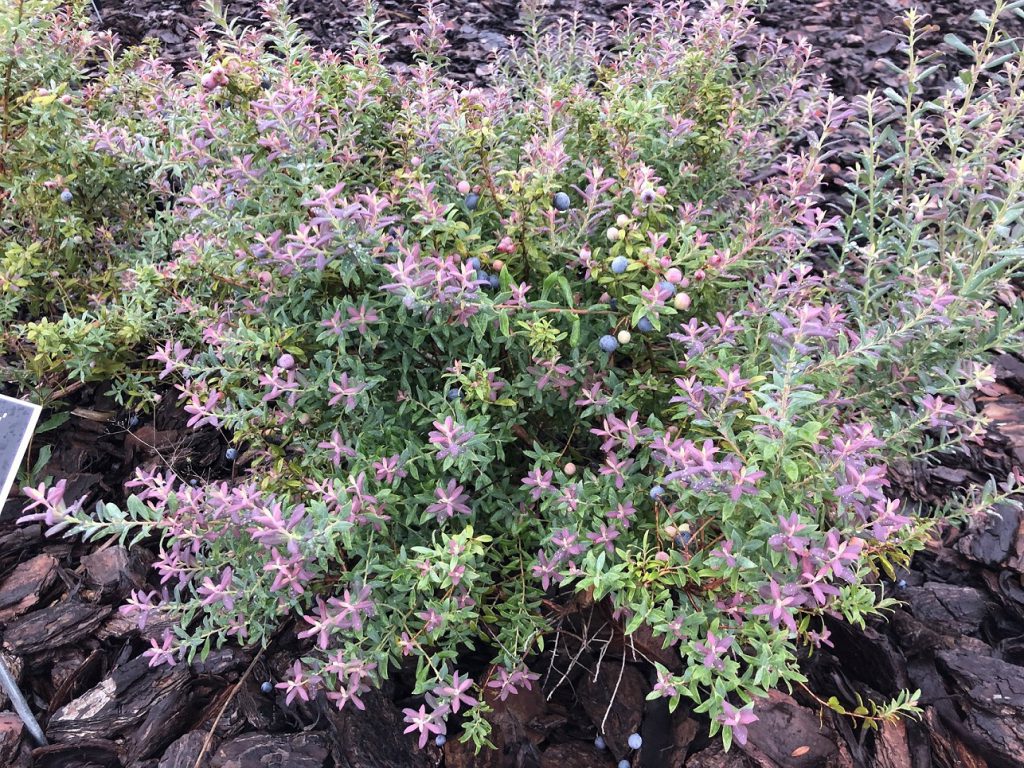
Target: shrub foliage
{"type": "Point", "coordinates": [481, 350]}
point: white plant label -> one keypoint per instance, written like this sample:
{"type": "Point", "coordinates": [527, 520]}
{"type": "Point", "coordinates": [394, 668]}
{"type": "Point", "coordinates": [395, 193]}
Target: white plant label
{"type": "Point", "coordinates": [17, 423]}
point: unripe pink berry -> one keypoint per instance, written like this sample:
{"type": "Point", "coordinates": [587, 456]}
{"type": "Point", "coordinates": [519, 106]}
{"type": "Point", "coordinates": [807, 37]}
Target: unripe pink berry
{"type": "Point", "coordinates": [674, 275]}
{"type": "Point", "coordinates": [662, 191]}
{"type": "Point", "coordinates": [507, 245]}
{"type": "Point", "coordinates": [622, 221]}
{"type": "Point", "coordinates": [498, 265]}
{"type": "Point", "coordinates": [570, 469]}
{"type": "Point", "coordinates": [286, 361]}
{"type": "Point", "coordinates": [682, 301]}
{"type": "Point", "coordinates": [684, 283]}
{"type": "Point", "coordinates": [415, 161]}
{"type": "Point", "coordinates": [463, 187]}
{"type": "Point", "coordinates": [661, 557]}
{"type": "Point", "coordinates": [604, 298]}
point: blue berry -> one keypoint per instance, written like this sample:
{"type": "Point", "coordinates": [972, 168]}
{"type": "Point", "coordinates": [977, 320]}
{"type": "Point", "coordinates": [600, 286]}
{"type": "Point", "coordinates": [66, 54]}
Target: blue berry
{"type": "Point", "coordinates": [133, 421]}
{"type": "Point", "coordinates": [666, 287]}
{"type": "Point", "coordinates": [635, 741]}
{"type": "Point", "coordinates": [194, 482]}
{"type": "Point", "coordinates": [608, 343]}
{"type": "Point", "coordinates": [901, 584]}
{"type": "Point", "coordinates": [683, 539]}
{"type": "Point", "coordinates": [475, 263]}
{"type": "Point", "coordinates": [623, 763]}
{"type": "Point", "coordinates": [66, 196]}
{"type": "Point", "coordinates": [494, 281]}
{"type": "Point", "coordinates": [454, 393]}
{"type": "Point", "coordinates": [645, 325]}
{"type": "Point", "coordinates": [472, 200]}
{"type": "Point", "coordinates": [619, 264]}
{"type": "Point", "coordinates": [656, 491]}
{"type": "Point", "coordinates": [599, 742]}
{"type": "Point", "coordinates": [231, 454]}
{"type": "Point", "coordinates": [613, 304]}
{"type": "Point", "coordinates": [561, 201]}
{"type": "Point", "coordinates": [267, 687]}
{"type": "Point", "coordinates": [440, 739]}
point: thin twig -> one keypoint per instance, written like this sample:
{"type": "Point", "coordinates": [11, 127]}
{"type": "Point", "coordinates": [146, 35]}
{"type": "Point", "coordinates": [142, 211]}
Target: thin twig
{"type": "Point", "coordinates": [234, 692]}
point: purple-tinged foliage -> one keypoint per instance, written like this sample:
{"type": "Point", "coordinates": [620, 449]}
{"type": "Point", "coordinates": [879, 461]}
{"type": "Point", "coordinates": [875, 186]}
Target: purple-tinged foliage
{"type": "Point", "coordinates": [313, 253]}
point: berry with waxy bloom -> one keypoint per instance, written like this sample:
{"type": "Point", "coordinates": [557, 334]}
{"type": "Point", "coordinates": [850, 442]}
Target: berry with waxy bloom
{"type": "Point", "coordinates": [613, 234]}
{"type": "Point", "coordinates": [682, 301]}
{"type": "Point", "coordinates": [440, 740]}
{"type": "Point", "coordinates": [599, 742]}
{"type": "Point", "coordinates": [561, 201]}
{"type": "Point", "coordinates": [619, 264]}
{"type": "Point", "coordinates": [674, 275]}
{"type": "Point", "coordinates": [623, 763]}
{"type": "Point", "coordinates": [635, 741]}
{"type": "Point", "coordinates": [656, 492]}
{"type": "Point", "coordinates": [644, 325]}
{"type": "Point", "coordinates": [267, 687]}
{"type": "Point", "coordinates": [66, 196]}
{"type": "Point", "coordinates": [231, 454]}
{"type": "Point", "coordinates": [286, 361]}
{"type": "Point", "coordinates": [666, 288]}
{"type": "Point", "coordinates": [472, 200]}
{"type": "Point", "coordinates": [608, 343]}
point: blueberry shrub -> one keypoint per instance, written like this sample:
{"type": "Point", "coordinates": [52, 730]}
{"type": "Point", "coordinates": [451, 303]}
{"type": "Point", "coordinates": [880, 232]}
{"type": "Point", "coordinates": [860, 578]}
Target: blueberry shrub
{"type": "Point", "coordinates": [590, 333]}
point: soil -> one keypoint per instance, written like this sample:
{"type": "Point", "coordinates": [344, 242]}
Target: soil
{"type": "Point", "coordinates": [958, 637]}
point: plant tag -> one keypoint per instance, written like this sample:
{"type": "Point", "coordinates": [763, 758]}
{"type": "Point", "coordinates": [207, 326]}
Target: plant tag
{"type": "Point", "coordinates": [17, 423]}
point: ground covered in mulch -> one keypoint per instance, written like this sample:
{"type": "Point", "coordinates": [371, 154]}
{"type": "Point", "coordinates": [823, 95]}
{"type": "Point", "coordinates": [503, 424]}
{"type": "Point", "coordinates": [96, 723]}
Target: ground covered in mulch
{"type": "Point", "coordinates": [959, 637]}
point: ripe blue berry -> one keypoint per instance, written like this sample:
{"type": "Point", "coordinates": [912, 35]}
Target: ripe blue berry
{"type": "Point", "coordinates": [561, 201]}
{"type": "Point", "coordinates": [608, 343]}
{"type": "Point", "coordinates": [656, 491]}
{"type": "Point", "coordinates": [901, 584]}
{"type": "Point", "coordinates": [454, 393]}
{"type": "Point", "coordinates": [440, 739]}
{"type": "Point", "coordinates": [619, 264]}
{"type": "Point", "coordinates": [231, 454]}
{"type": "Point", "coordinates": [635, 741]}
{"type": "Point", "coordinates": [472, 200]}
{"type": "Point", "coordinates": [666, 287]}
{"type": "Point", "coordinates": [133, 421]}
{"type": "Point", "coordinates": [623, 763]}
{"type": "Point", "coordinates": [66, 196]}
{"type": "Point", "coordinates": [494, 281]}
{"type": "Point", "coordinates": [475, 263]}
{"type": "Point", "coordinates": [645, 325]}
{"type": "Point", "coordinates": [599, 742]}
{"type": "Point", "coordinates": [267, 687]}
{"type": "Point", "coordinates": [613, 304]}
